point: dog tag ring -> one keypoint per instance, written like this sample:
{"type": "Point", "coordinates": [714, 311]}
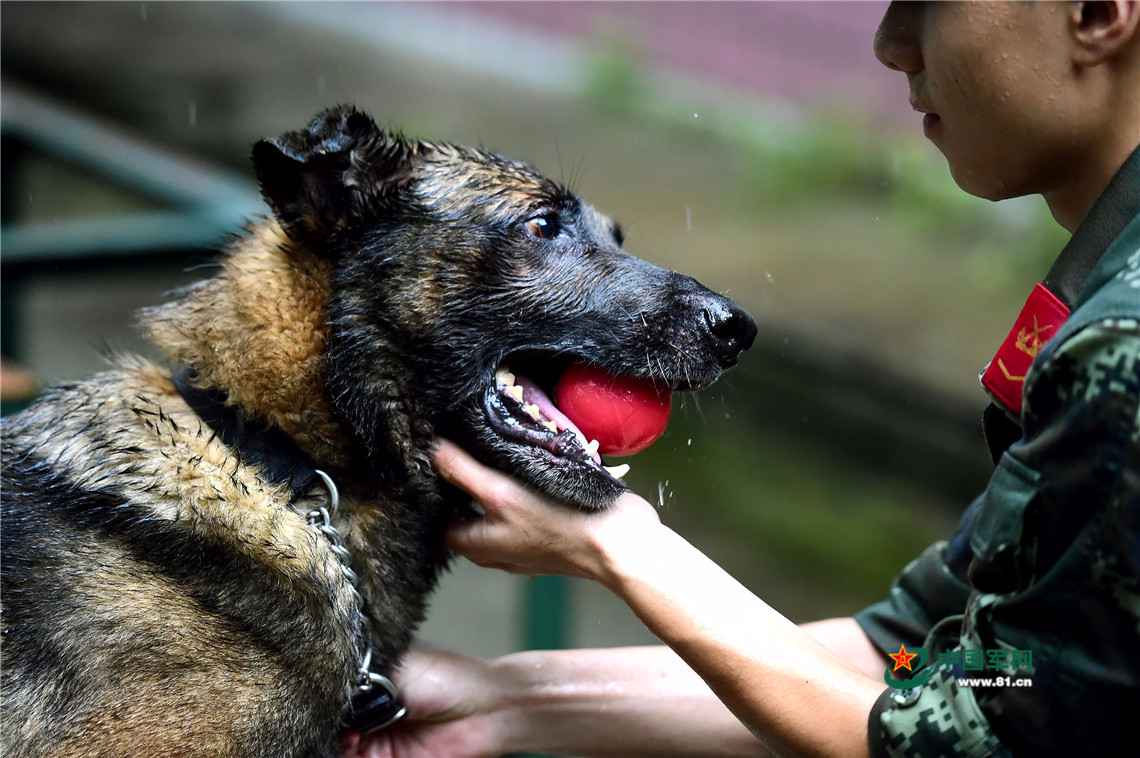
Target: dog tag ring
{"type": "Point", "coordinates": [376, 707]}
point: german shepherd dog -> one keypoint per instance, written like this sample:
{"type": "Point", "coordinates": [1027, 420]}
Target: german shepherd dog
{"type": "Point", "coordinates": [225, 560]}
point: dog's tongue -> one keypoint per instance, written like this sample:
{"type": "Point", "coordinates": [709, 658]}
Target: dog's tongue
{"type": "Point", "coordinates": [624, 415]}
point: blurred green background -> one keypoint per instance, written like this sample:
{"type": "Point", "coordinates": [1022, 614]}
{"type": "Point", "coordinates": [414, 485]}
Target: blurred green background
{"type": "Point", "coordinates": [756, 146]}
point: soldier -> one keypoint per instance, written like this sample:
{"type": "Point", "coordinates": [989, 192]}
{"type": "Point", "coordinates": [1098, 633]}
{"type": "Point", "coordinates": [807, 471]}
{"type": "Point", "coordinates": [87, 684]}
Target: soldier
{"type": "Point", "coordinates": [1043, 577]}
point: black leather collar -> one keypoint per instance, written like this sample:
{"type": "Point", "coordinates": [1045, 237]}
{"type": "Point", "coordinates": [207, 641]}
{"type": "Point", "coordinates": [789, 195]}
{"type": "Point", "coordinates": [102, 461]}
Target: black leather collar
{"type": "Point", "coordinates": [257, 443]}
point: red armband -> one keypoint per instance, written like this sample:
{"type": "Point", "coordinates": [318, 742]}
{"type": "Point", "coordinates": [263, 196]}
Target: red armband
{"type": "Point", "coordinates": [1040, 319]}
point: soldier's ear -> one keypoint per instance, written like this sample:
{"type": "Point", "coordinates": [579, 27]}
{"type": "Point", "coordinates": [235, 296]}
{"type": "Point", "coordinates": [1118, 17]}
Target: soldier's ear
{"type": "Point", "coordinates": [1103, 30]}
{"type": "Point", "coordinates": [333, 174]}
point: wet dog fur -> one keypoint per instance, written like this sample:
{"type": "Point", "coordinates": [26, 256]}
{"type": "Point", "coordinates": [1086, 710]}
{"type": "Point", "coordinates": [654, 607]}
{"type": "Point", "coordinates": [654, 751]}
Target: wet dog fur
{"type": "Point", "coordinates": [163, 593]}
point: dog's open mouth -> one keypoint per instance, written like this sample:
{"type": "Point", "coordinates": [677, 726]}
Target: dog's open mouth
{"type": "Point", "coordinates": [520, 410]}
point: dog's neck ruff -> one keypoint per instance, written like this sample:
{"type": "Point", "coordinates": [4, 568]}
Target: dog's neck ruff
{"type": "Point", "coordinates": [375, 703]}
{"type": "Point", "coordinates": [258, 443]}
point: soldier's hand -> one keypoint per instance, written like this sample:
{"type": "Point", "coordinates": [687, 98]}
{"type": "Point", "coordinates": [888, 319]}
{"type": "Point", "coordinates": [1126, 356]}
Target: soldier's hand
{"type": "Point", "coordinates": [453, 706]}
{"type": "Point", "coordinates": [524, 532]}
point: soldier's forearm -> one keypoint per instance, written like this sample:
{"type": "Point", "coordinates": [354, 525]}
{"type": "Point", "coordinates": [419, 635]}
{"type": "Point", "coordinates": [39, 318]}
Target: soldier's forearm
{"type": "Point", "coordinates": [772, 675]}
{"type": "Point", "coordinates": [631, 702]}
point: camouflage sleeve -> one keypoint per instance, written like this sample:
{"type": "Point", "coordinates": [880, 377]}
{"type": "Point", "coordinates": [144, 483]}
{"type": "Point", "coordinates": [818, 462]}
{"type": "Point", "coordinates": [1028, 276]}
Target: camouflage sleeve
{"type": "Point", "coordinates": [940, 718]}
{"type": "Point", "coordinates": [1055, 578]}
{"type": "Point", "coordinates": [932, 587]}
{"type": "Point", "coordinates": [925, 592]}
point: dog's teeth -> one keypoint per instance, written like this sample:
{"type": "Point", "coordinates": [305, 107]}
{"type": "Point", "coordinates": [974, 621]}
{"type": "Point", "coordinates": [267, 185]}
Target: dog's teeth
{"type": "Point", "coordinates": [504, 377]}
{"type": "Point", "coordinates": [515, 391]}
{"type": "Point", "coordinates": [592, 447]}
{"type": "Point", "coordinates": [617, 472]}
{"type": "Point", "coordinates": [533, 411]}
{"type": "Point", "coordinates": [551, 426]}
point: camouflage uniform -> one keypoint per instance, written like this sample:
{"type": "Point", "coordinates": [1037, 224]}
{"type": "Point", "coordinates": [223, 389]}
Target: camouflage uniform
{"type": "Point", "coordinates": [1047, 560]}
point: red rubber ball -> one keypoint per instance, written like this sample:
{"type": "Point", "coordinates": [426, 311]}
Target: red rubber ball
{"type": "Point", "coordinates": [624, 415]}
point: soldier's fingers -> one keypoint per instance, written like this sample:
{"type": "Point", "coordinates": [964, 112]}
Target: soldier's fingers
{"type": "Point", "coordinates": [491, 489]}
{"type": "Point", "coordinates": [469, 539]}
{"type": "Point", "coordinates": [457, 467]}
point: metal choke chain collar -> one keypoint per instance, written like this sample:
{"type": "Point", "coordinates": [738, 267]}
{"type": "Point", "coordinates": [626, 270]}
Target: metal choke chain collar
{"type": "Point", "coordinates": [320, 518]}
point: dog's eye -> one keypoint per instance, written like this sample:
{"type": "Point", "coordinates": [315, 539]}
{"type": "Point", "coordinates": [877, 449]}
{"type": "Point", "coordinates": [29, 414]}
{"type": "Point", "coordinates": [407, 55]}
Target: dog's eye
{"type": "Point", "coordinates": [543, 227]}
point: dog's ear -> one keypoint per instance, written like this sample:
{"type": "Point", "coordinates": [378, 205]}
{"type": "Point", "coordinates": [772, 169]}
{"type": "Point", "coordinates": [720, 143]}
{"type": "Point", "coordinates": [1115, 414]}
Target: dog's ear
{"type": "Point", "coordinates": [331, 175]}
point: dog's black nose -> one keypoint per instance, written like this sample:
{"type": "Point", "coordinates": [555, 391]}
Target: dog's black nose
{"type": "Point", "coordinates": [730, 326]}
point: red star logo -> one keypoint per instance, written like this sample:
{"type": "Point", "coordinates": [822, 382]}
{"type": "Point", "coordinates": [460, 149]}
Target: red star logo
{"type": "Point", "coordinates": [902, 658]}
